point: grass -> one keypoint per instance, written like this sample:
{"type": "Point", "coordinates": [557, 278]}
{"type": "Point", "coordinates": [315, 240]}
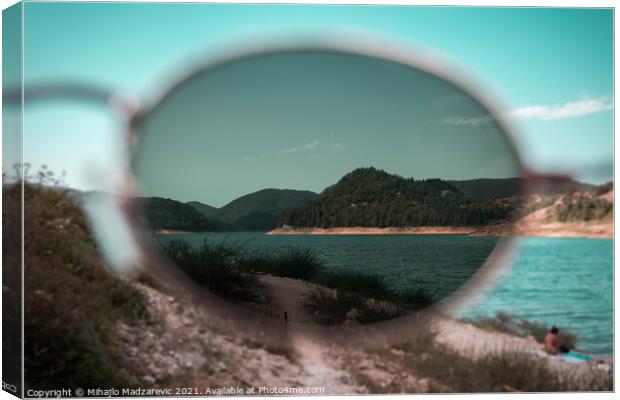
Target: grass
{"type": "Point", "coordinates": [502, 371]}
{"type": "Point", "coordinates": [229, 271]}
{"type": "Point", "coordinates": [335, 307]}
{"type": "Point", "coordinates": [510, 324]}
{"type": "Point", "coordinates": [294, 263]}
{"type": "Point", "coordinates": [71, 301]}
{"type": "Point", "coordinates": [216, 267]}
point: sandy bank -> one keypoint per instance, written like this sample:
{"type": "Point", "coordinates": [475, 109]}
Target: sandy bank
{"type": "Point", "coordinates": [566, 230]}
{"type": "Point", "coordinates": [170, 232]}
{"type": "Point", "coordinates": [423, 230]}
{"type": "Point", "coordinates": [521, 228]}
{"type": "Point", "coordinates": [460, 337]}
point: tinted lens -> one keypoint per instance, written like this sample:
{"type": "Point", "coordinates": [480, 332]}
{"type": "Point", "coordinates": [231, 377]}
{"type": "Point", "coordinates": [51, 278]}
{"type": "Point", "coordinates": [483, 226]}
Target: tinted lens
{"type": "Point", "coordinates": [324, 187]}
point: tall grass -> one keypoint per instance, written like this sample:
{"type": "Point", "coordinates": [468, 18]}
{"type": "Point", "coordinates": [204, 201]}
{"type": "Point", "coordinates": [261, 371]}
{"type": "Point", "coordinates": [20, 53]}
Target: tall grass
{"type": "Point", "coordinates": [294, 262]}
{"type": "Point", "coordinates": [500, 371]}
{"type": "Point", "coordinates": [214, 266]}
{"type": "Point", "coordinates": [335, 307]}
{"type": "Point", "coordinates": [505, 371]}
{"type": "Point", "coordinates": [230, 271]}
{"type": "Point", "coordinates": [510, 324]}
{"type": "Point", "coordinates": [71, 301]}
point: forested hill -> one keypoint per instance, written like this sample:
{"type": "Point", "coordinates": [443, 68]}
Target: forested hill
{"type": "Point", "coordinates": [509, 187]}
{"type": "Point", "coordinates": [163, 213]}
{"type": "Point", "coordinates": [368, 197]}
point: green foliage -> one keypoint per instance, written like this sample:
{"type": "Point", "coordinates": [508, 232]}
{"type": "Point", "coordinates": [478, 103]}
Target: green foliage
{"type": "Point", "coordinates": [495, 372]}
{"type": "Point", "coordinates": [294, 263]}
{"type": "Point", "coordinates": [260, 210]}
{"type": "Point", "coordinates": [583, 209]}
{"type": "Point", "coordinates": [508, 323]}
{"type": "Point", "coordinates": [229, 272]}
{"type": "Point", "coordinates": [215, 267]}
{"type": "Point", "coordinates": [368, 197]}
{"type": "Point", "coordinates": [162, 213]}
{"type": "Point", "coordinates": [604, 188]}
{"type": "Point", "coordinates": [490, 188]}
{"type": "Point", "coordinates": [328, 307]}
{"type": "Point", "coordinates": [71, 301]}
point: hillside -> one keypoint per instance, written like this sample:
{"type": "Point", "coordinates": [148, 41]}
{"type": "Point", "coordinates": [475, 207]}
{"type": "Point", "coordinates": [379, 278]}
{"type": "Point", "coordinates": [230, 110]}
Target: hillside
{"type": "Point", "coordinates": [204, 209]}
{"type": "Point", "coordinates": [170, 214]}
{"type": "Point", "coordinates": [509, 187]}
{"type": "Point", "coordinates": [368, 197]}
{"type": "Point", "coordinates": [261, 210]}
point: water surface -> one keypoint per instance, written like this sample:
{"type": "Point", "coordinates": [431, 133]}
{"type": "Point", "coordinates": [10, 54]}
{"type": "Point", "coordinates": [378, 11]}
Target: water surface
{"type": "Point", "coordinates": [563, 281]}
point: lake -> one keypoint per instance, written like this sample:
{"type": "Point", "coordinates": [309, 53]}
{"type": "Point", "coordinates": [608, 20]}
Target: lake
{"type": "Point", "coordinates": [563, 281]}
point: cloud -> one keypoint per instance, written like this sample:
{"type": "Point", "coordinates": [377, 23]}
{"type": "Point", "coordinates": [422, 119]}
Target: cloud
{"type": "Point", "coordinates": [308, 146]}
{"type": "Point", "coordinates": [295, 149]}
{"type": "Point", "coordinates": [570, 109]}
{"type": "Point", "coordinates": [471, 121]}
{"type": "Point", "coordinates": [585, 106]}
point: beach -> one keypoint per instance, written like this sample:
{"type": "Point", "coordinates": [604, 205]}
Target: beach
{"type": "Point", "coordinates": [526, 227]}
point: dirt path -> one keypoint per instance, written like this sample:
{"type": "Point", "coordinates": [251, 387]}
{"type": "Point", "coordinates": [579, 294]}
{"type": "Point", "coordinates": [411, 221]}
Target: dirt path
{"type": "Point", "coordinates": [321, 369]}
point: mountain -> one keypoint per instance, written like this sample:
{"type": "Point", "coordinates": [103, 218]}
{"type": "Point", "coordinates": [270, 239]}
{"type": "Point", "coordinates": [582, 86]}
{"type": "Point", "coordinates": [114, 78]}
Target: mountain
{"type": "Point", "coordinates": [369, 197]}
{"type": "Point", "coordinates": [204, 209]}
{"type": "Point", "coordinates": [160, 213]}
{"type": "Point", "coordinates": [509, 187]}
{"type": "Point", "coordinates": [261, 210]}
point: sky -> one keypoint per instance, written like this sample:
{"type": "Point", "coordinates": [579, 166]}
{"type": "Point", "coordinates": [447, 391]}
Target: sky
{"type": "Point", "coordinates": [550, 69]}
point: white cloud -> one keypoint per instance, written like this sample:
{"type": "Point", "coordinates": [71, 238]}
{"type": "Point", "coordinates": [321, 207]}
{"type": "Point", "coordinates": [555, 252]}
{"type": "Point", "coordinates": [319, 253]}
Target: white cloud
{"type": "Point", "coordinates": [471, 121]}
{"type": "Point", "coordinates": [308, 146]}
{"type": "Point", "coordinates": [571, 109]}
{"type": "Point", "coordinates": [295, 149]}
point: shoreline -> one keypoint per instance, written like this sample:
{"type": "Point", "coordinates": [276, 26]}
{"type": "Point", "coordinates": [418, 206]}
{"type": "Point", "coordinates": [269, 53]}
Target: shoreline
{"type": "Point", "coordinates": [171, 232]}
{"type": "Point", "coordinates": [570, 230]}
{"type": "Point", "coordinates": [422, 230]}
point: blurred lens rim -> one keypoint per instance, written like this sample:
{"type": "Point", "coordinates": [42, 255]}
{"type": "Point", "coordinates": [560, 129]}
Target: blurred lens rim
{"type": "Point", "coordinates": [408, 56]}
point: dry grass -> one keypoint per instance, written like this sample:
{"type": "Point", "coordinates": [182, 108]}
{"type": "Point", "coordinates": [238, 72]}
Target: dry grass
{"type": "Point", "coordinates": [72, 301]}
{"type": "Point", "coordinates": [510, 324]}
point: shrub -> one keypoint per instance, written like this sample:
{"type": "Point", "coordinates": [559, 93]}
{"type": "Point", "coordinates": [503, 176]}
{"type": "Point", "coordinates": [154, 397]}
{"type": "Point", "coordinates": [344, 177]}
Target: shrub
{"type": "Point", "coordinates": [331, 307]}
{"type": "Point", "coordinates": [71, 301]}
{"type": "Point", "coordinates": [501, 371]}
{"type": "Point", "coordinates": [213, 266]}
{"type": "Point", "coordinates": [294, 263]}
{"type": "Point", "coordinates": [508, 323]}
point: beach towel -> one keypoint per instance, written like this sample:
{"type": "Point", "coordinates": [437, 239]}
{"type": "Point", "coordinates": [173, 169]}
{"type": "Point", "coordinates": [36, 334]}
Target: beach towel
{"type": "Point", "coordinates": [572, 357]}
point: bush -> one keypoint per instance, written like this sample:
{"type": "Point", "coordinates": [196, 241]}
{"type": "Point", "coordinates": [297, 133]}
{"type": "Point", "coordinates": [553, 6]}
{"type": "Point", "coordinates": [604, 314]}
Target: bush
{"type": "Point", "coordinates": [228, 271]}
{"type": "Point", "coordinates": [331, 307]}
{"type": "Point", "coordinates": [294, 263]}
{"type": "Point", "coordinates": [213, 266]}
{"type": "Point", "coordinates": [504, 371]}
{"type": "Point", "coordinates": [508, 323]}
{"type": "Point", "coordinates": [71, 301]}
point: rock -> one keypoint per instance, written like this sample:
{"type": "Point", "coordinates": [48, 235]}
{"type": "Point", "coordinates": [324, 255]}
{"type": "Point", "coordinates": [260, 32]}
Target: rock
{"type": "Point", "coordinates": [219, 366]}
{"type": "Point", "coordinates": [148, 379]}
{"type": "Point", "coordinates": [398, 352]}
{"type": "Point", "coordinates": [190, 360]}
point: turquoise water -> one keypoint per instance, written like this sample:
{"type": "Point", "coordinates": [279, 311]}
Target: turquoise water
{"type": "Point", "coordinates": [563, 281]}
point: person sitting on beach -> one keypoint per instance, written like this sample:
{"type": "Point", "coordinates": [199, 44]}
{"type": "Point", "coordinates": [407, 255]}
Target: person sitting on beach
{"type": "Point", "coordinates": [552, 346]}
{"type": "Point", "coordinates": [552, 343]}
